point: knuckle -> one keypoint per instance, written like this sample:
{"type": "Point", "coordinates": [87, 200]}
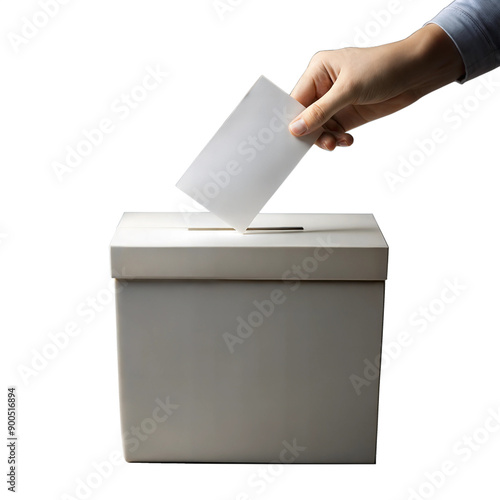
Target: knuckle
{"type": "Point", "coordinates": [316, 113]}
{"type": "Point", "coordinates": [317, 57]}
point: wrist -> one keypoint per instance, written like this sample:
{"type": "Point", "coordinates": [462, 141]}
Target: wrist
{"type": "Point", "coordinates": [434, 59]}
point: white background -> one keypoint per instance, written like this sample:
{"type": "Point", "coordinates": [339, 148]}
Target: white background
{"type": "Point", "coordinates": [441, 224]}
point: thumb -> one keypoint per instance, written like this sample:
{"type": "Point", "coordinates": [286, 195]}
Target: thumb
{"type": "Point", "coordinates": [320, 111]}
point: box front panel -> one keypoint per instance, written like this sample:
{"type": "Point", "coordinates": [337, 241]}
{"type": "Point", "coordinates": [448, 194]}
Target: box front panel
{"type": "Point", "coordinates": [249, 371]}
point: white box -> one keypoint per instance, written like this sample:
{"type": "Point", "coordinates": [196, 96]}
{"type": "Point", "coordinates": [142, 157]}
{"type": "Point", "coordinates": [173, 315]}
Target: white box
{"type": "Point", "coordinates": [249, 347]}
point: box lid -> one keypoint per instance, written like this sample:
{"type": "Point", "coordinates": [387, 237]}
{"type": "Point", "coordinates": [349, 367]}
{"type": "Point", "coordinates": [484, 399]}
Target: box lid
{"type": "Point", "coordinates": [198, 245]}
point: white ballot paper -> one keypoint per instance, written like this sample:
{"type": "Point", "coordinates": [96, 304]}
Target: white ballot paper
{"type": "Point", "coordinates": [249, 157]}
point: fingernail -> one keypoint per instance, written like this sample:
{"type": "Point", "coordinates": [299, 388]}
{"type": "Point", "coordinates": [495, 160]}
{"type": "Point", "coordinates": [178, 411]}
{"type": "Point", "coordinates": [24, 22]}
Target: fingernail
{"type": "Point", "coordinates": [326, 145]}
{"type": "Point", "coordinates": [298, 127]}
{"type": "Point", "coordinates": [342, 144]}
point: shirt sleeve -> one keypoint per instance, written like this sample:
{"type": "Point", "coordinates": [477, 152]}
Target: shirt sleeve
{"type": "Point", "coordinates": [474, 27]}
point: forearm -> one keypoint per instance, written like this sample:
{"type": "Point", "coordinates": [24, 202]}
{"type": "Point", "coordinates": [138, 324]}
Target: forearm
{"type": "Point", "coordinates": [434, 60]}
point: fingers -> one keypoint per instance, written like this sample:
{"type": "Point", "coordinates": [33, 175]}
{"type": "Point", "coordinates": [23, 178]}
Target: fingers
{"type": "Point", "coordinates": [334, 135]}
{"type": "Point", "coordinates": [342, 137]}
{"type": "Point", "coordinates": [329, 141]}
{"type": "Point", "coordinates": [326, 141]}
{"type": "Point", "coordinates": [320, 111]}
{"type": "Point", "coordinates": [322, 99]}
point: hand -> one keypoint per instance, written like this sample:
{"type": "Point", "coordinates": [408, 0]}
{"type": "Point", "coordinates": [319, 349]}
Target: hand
{"type": "Point", "coordinates": [343, 89]}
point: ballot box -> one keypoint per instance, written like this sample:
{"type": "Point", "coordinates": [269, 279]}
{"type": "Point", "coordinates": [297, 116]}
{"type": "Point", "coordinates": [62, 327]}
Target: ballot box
{"type": "Point", "coordinates": [249, 347]}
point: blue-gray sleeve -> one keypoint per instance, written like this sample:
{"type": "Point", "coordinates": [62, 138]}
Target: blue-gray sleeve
{"type": "Point", "coordinates": [474, 26]}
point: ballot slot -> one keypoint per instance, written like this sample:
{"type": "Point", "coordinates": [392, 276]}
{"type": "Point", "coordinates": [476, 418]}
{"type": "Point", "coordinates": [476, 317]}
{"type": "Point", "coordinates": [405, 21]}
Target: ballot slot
{"type": "Point", "coordinates": [288, 228]}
